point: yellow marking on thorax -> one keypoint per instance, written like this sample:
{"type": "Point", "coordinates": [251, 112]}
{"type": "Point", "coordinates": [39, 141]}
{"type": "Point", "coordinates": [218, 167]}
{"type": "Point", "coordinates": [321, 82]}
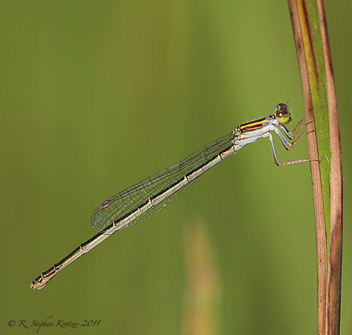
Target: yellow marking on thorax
{"type": "Point", "coordinates": [252, 124]}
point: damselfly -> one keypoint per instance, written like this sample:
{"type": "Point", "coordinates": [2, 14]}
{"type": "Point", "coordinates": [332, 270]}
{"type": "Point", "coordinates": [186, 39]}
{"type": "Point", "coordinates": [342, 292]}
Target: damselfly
{"type": "Point", "coordinates": [146, 198]}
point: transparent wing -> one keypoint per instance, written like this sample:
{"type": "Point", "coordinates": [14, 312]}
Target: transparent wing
{"type": "Point", "coordinates": [130, 199]}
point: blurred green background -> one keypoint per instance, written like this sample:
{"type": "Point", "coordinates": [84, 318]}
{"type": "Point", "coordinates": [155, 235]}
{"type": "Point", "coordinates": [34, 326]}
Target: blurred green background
{"type": "Point", "coordinates": [97, 95]}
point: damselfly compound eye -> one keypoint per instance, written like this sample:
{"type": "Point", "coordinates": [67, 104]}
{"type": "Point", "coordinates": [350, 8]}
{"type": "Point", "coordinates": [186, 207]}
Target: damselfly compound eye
{"type": "Point", "coordinates": [282, 114]}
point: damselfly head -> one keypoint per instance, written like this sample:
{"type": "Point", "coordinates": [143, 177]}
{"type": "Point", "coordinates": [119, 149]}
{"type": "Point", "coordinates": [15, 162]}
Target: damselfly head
{"type": "Point", "coordinates": [282, 113]}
